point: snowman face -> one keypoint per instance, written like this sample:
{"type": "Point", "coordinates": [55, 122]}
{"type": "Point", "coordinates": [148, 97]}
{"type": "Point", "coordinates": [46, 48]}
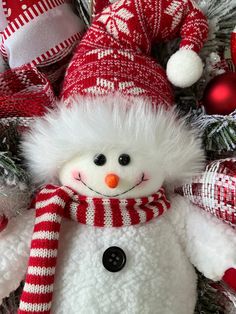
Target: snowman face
{"type": "Point", "coordinates": [118, 174]}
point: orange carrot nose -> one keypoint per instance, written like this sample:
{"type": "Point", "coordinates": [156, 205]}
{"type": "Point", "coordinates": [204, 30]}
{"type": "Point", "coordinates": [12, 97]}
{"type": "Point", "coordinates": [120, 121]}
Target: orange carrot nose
{"type": "Point", "coordinates": [112, 180]}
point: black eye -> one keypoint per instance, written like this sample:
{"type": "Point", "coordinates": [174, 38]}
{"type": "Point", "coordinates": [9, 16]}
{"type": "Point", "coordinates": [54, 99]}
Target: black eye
{"type": "Point", "coordinates": [124, 159]}
{"type": "Point", "coordinates": [99, 159]}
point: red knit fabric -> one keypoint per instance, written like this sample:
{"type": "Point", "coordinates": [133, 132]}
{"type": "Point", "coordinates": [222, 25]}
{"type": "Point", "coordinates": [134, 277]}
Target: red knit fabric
{"type": "Point", "coordinates": [16, 8]}
{"type": "Point", "coordinates": [114, 55]}
{"type": "Point", "coordinates": [53, 203]}
{"type": "Point", "coordinates": [24, 94]}
{"type": "Point", "coordinates": [99, 5]}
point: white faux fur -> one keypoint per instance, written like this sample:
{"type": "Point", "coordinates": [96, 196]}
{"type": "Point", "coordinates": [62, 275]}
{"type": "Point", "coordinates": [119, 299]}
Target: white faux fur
{"type": "Point", "coordinates": [184, 68]}
{"type": "Point", "coordinates": [95, 124]}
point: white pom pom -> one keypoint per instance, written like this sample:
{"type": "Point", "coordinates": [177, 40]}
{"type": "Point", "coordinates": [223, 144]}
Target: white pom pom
{"type": "Point", "coordinates": [184, 68]}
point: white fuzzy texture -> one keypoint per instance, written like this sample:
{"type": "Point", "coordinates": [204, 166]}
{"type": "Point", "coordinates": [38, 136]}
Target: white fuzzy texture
{"type": "Point", "coordinates": [97, 124]}
{"type": "Point", "coordinates": [184, 68]}
{"type": "Point", "coordinates": [158, 276]}
{"type": "Point", "coordinates": [14, 251]}
{"type": "Point", "coordinates": [209, 243]}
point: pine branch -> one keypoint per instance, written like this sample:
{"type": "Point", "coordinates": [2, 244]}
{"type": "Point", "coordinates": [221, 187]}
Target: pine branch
{"type": "Point", "coordinates": [218, 132]}
{"type": "Point", "coordinates": [10, 172]}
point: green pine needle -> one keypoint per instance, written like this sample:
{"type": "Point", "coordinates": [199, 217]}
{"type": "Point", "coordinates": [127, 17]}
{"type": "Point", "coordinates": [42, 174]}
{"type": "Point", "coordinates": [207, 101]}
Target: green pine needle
{"type": "Point", "coordinates": [218, 132]}
{"type": "Point", "coordinates": [10, 172]}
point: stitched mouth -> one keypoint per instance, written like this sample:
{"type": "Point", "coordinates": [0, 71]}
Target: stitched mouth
{"type": "Point", "coordinates": [133, 187]}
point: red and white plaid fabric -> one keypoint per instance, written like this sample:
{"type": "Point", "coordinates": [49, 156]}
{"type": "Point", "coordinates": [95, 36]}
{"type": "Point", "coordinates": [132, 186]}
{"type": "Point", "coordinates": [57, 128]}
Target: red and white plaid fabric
{"type": "Point", "coordinates": [40, 32]}
{"type": "Point", "coordinates": [52, 204]}
{"type": "Point", "coordinates": [215, 190]}
{"type": "Point", "coordinates": [24, 94]}
{"type": "Point", "coordinates": [115, 53]}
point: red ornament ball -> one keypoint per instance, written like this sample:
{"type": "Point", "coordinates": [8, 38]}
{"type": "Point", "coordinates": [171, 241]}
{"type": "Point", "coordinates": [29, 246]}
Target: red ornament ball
{"type": "Point", "coordinates": [219, 96]}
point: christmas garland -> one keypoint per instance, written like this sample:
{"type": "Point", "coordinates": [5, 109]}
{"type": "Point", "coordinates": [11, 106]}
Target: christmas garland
{"type": "Point", "coordinates": [14, 180]}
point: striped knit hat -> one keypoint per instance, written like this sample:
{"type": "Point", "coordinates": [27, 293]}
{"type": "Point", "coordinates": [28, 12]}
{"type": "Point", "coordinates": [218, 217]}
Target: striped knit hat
{"type": "Point", "coordinates": [38, 31]}
{"type": "Point", "coordinates": [115, 53]}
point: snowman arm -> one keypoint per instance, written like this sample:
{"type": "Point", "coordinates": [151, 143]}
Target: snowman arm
{"type": "Point", "coordinates": [213, 243]}
{"type": "Point", "coordinates": [14, 250]}
{"type": "Point", "coordinates": [209, 243]}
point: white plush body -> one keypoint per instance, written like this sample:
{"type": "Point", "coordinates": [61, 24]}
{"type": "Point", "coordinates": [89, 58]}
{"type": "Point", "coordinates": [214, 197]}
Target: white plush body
{"type": "Point", "coordinates": [158, 277]}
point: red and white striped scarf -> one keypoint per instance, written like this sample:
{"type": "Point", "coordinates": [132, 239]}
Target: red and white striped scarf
{"type": "Point", "coordinates": [53, 203]}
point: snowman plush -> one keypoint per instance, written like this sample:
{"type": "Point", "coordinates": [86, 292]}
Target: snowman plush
{"type": "Point", "coordinates": [107, 150]}
{"type": "Point", "coordinates": [124, 246]}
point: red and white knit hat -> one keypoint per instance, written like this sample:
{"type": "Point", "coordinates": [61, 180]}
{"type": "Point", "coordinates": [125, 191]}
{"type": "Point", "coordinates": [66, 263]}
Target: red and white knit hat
{"type": "Point", "coordinates": [115, 53]}
{"type": "Point", "coordinates": [38, 31]}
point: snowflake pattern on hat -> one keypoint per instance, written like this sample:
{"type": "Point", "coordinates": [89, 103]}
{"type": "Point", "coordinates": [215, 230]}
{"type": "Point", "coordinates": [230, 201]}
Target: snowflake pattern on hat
{"type": "Point", "coordinates": [115, 54]}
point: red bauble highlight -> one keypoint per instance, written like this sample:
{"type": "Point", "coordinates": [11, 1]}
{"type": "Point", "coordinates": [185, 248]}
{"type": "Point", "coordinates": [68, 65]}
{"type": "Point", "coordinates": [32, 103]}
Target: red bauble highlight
{"type": "Point", "coordinates": [220, 94]}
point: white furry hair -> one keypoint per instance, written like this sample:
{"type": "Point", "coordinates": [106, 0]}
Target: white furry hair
{"type": "Point", "coordinates": [96, 123]}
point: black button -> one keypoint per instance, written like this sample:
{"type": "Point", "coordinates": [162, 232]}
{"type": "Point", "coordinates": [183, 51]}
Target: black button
{"type": "Point", "coordinates": [114, 259]}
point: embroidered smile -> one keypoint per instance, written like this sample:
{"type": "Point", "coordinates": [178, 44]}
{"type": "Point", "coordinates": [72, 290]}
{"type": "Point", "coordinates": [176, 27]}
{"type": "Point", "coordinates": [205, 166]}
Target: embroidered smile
{"type": "Point", "coordinates": [141, 180]}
